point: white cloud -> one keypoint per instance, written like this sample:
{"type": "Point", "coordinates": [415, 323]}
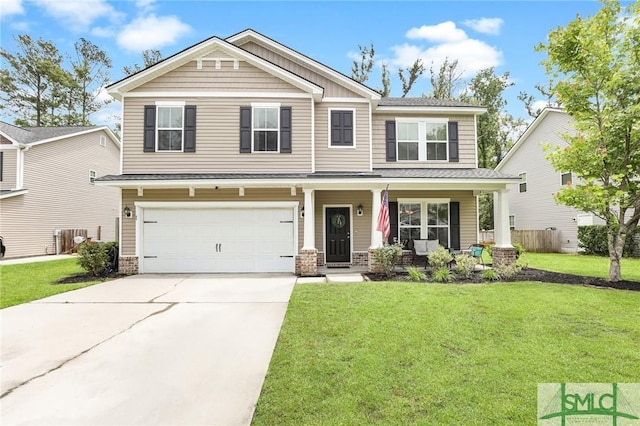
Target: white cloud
{"type": "Point", "coordinates": [440, 33]}
{"type": "Point", "coordinates": [10, 7]}
{"type": "Point", "coordinates": [485, 25]}
{"type": "Point", "coordinates": [145, 6]}
{"type": "Point", "coordinates": [445, 41]}
{"type": "Point", "coordinates": [78, 15]}
{"type": "Point", "coordinates": [151, 32]}
{"type": "Point", "coordinates": [104, 32]}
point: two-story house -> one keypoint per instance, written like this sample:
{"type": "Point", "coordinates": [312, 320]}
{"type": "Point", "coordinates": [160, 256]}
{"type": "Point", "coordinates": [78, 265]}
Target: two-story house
{"type": "Point", "coordinates": [47, 179]}
{"type": "Point", "coordinates": [241, 154]}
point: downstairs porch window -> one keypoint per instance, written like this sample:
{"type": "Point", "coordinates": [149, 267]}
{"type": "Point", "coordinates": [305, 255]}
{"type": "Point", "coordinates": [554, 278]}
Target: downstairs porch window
{"type": "Point", "coordinates": [423, 219]}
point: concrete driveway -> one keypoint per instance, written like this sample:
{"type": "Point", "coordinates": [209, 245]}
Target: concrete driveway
{"type": "Point", "coordinates": [143, 350]}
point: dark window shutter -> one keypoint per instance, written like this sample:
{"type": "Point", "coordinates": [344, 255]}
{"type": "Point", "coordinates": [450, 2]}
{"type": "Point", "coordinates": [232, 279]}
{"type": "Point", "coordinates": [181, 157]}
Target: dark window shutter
{"type": "Point", "coordinates": [393, 220]}
{"type": "Point", "coordinates": [190, 128]}
{"type": "Point", "coordinates": [454, 224]}
{"type": "Point", "coordinates": [285, 130]}
{"type": "Point", "coordinates": [245, 129]}
{"type": "Point", "coordinates": [149, 128]}
{"type": "Point", "coordinates": [390, 138]}
{"type": "Point", "coordinates": [1, 164]}
{"type": "Point", "coordinates": [341, 128]}
{"type": "Point", "coordinates": [453, 142]}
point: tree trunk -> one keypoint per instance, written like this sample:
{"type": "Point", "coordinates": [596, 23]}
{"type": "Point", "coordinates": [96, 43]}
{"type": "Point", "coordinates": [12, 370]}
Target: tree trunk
{"type": "Point", "coordinates": [616, 245]}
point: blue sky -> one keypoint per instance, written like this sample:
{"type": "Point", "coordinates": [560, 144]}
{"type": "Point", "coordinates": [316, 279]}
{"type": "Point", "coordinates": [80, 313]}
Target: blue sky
{"type": "Point", "coordinates": [479, 34]}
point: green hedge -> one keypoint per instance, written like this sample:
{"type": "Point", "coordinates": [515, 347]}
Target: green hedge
{"type": "Point", "coordinates": [593, 239]}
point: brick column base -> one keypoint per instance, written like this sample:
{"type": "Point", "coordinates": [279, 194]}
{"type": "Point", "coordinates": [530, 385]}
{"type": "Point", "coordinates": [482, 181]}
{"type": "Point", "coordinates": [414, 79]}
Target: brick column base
{"type": "Point", "coordinates": [374, 267]}
{"type": "Point", "coordinates": [307, 263]}
{"type": "Point", "coordinates": [503, 255]}
{"type": "Point", "coordinates": [128, 265]}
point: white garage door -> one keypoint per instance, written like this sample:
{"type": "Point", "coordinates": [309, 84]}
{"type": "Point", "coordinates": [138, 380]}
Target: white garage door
{"type": "Point", "coordinates": [218, 240]}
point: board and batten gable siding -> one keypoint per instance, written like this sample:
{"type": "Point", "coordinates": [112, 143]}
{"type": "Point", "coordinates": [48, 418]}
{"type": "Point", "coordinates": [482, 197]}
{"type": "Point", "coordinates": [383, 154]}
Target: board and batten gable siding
{"type": "Point", "coordinates": [466, 142]}
{"type": "Point", "coordinates": [217, 139]}
{"type": "Point", "coordinates": [342, 159]}
{"type": "Point", "coordinates": [246, 78]}
{"type": "Point", "coordinates": [536, 208]}
{"type": "Point", "coordinates": [56, 175]}
{"type": "Point", "coordinates": [331, 88]}
{"type": "Point", "coordinates": [9, 169]}
{"type": "Point", "coordinates": [130, 197]}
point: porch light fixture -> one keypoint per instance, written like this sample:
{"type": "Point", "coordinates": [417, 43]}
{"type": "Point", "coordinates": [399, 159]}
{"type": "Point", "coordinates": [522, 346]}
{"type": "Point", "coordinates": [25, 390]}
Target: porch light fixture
{"type": "Point", "coordinates": [360, 210]}
{"type": "Point", "coordinates": [127, 212]}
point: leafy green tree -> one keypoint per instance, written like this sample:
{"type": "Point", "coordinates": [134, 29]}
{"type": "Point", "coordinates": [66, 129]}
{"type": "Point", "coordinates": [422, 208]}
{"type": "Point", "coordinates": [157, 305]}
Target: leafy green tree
{"type": "Point", "coordinates": [28, 80]}
{"type": "Point", "coordinates": [445, 82]}
{"type": "Point", "coordinates": [91, 73]}
{"type": "Point", "coordinates": [593, 63]}
{"type": "Point", "coordinates": [386, 82]}
{"type": "Point", "coordinates": [149, 57]}
{"type": "Point", "coordinates": [413, 73]}
{"type": "Point", "coordinates": [361, 69]}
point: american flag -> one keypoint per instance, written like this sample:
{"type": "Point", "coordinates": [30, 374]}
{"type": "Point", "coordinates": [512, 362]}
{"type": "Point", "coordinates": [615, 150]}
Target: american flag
{"type": "Point", "coordinates": [384, 224]}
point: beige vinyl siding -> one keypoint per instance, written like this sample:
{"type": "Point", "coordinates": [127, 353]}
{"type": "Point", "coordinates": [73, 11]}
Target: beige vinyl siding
{"type": "Point", "coordinates": [217, 140]}
{"type": "Point", "coordinates": [468, 217]}
{"type": "Point", "coordinates": [342, 159]}
{"type": "Point", "coordinates": [4, 141]}
{"type": "Point", "coordinates": [130, 197]}
{"type": "Point", "coordinates": [9, 169]}
{"type": "Point", "coordinates": [56, 175]}
{"type": "Point", "coordinates": [246, 78]}
{"type": "Point", "coordinates": [466, 140]}
{"type": "Point", "coordinates": [331, 88]}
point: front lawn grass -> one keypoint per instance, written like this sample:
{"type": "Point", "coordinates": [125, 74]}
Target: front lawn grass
{"type": "Point", "coordinates": [31, 281]}
{"type": "Point", "coordinates": [578, 264]}
{"type": "Point", "coordinates": [403, 353]}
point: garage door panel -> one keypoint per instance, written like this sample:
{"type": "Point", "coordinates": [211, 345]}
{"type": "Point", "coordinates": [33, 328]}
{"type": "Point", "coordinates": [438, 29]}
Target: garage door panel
{"type": "Point", "coordinates": [218, 240]}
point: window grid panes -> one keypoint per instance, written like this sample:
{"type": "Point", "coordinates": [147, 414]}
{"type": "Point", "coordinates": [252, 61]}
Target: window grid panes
{"type": "Point", "coordinates": [566, 179]}
{"type": "Point", "coordinates": [438, 222]}
{"type": "Point", "coordinates": [92, 176]}
{"type": "Point", "coordinates": [523, 183]}
{"type": "Point", "coordinates": [409, 222]}
{"type": "Point", "coordinates": [422, 141]}
{"type": "Point", "coordinates": [265, 129]}
{"type": "Point", "coordinates": [170, 128]}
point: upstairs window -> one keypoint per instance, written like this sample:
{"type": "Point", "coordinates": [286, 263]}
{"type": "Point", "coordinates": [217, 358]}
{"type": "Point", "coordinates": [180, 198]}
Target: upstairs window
{"type": "Point", "coordinates": [92, 176]}
{"type": "Point", "coordinates": [423, 140]}
{"type": "Point", "coordinates": [103, 140]}
{"type": "Point", "coordinates": [566, 179]}
{"type": "Point", "coordinates": [169, 128]}
{"type": "Point", "coordinates": [265, 129]}
{"type": "Point", "coordinates": [341, 128]}
{"type": "Point", "coordinates": [523, 182]}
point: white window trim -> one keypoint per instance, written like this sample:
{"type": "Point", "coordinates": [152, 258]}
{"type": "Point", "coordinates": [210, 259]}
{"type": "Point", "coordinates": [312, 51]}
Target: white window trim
{"type": "Point", "coordinates": [253, 129]}
{"type": "Point", "coordinates": [93, 175]}
{"type": "Point", "coordinates": [423, 214]}
{"type": "Point", "coordinates": [512, 226]}
{"type": "Point", "coordinates": [422, 140]}
{"type": "Point", "coordinates": [570, 180]}
{"type": "Point", "coordinates": [526, 188]}
{"type": "Point", "coordinates": [103, 140]}
{"type": "Point", "coordinates": [169, 104]}
{"type": "Point", "coordinates": [353, 111]}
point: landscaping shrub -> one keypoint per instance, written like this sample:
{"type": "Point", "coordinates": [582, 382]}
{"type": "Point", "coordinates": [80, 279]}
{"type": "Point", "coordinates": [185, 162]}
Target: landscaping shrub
{"type": "Point", "coordinates": [490, 275]}
{"type": "Point", "coordinates": [442, 275]}
{"type": "Point", "coordinates": [465, 265]}
{"type": "Point", "coordinates": [519, 249]}
{"type": "Point", "coordinates": [507, 271]}
{"type": "Point", "coordinates": [416, 274]}
{"type": "Point", "coordinates": [388, 256]}
{"type": "Point", "coordinates": [92, 257]}
{"type": "Point", "coordinates": [440, 258]}
{"type": "Point", "coordinates": [593, 239]}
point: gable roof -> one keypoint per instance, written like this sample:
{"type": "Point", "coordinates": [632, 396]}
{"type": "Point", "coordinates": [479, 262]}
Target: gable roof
{"type": "Point", "coordinates": [333, 75]}
{"type": "Point", "coordinates": [200, 50]}
{"type": "Point", "coordinates": [534, 124]}
{"type": "Point", "coordinates": [39, 135]}
{"type": "Point", "coordinates": [390, 104]}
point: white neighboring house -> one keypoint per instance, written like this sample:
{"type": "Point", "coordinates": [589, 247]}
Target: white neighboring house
{"type": "Point", "coordinates": [531, 202]}
{"type": "Point", "coordinates": [47, 179]}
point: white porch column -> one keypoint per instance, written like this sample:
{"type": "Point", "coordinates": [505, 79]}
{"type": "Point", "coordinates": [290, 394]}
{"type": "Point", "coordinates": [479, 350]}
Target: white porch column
{"type": "Point", "coordinates": [309, 220]}
{"type": "Point", "coordinates": [502, 233]}
{"type": "Point", "coordinates": [376, 236]}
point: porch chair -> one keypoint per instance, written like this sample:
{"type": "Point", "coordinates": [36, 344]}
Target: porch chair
{"type": "Point", "coordinates": [422, 248]}
{"type": "Point", "coordinates": [475, 251]}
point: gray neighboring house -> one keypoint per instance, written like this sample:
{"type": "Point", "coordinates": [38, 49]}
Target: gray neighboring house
{"type": "Point", "coordinates": [531, 202]}
{"type": "Point", "coordinates": [47, 179]}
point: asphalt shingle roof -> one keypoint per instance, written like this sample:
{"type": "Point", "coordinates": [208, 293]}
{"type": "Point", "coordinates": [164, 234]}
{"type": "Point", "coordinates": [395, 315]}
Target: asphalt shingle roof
{"type": "Point", "coordinates": [422, 102]}
{"type": "Point", "coordinates": [27, 135]}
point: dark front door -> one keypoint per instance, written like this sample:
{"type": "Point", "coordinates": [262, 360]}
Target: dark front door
{"type": "Point", "coordinates": [338, 228]}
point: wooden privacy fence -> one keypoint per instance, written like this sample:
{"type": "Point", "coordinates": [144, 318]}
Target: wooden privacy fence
{"type": "Point", "coordinates": [66, 239]}
{"type": "Point", "coordinates": [538, 241]}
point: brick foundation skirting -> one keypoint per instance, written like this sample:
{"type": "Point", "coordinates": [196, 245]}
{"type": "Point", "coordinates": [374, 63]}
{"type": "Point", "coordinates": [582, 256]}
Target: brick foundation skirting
{"type": "Point", "coordinates": [307, 263]}
{"type": "Point", "coordinates": [503, 255]}
{"type": "Point", "coordinates": [128, 265]}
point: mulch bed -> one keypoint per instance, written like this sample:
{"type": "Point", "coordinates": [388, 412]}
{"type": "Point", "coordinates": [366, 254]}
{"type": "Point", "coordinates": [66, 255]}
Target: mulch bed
{"type": "Point", "coordinates": [531, 274]}
{"type": "Point", "coordinates": [83, 278]}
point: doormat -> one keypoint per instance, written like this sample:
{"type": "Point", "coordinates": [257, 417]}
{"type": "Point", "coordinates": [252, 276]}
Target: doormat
{"type": "Point", "coordinates": [338, 266]}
